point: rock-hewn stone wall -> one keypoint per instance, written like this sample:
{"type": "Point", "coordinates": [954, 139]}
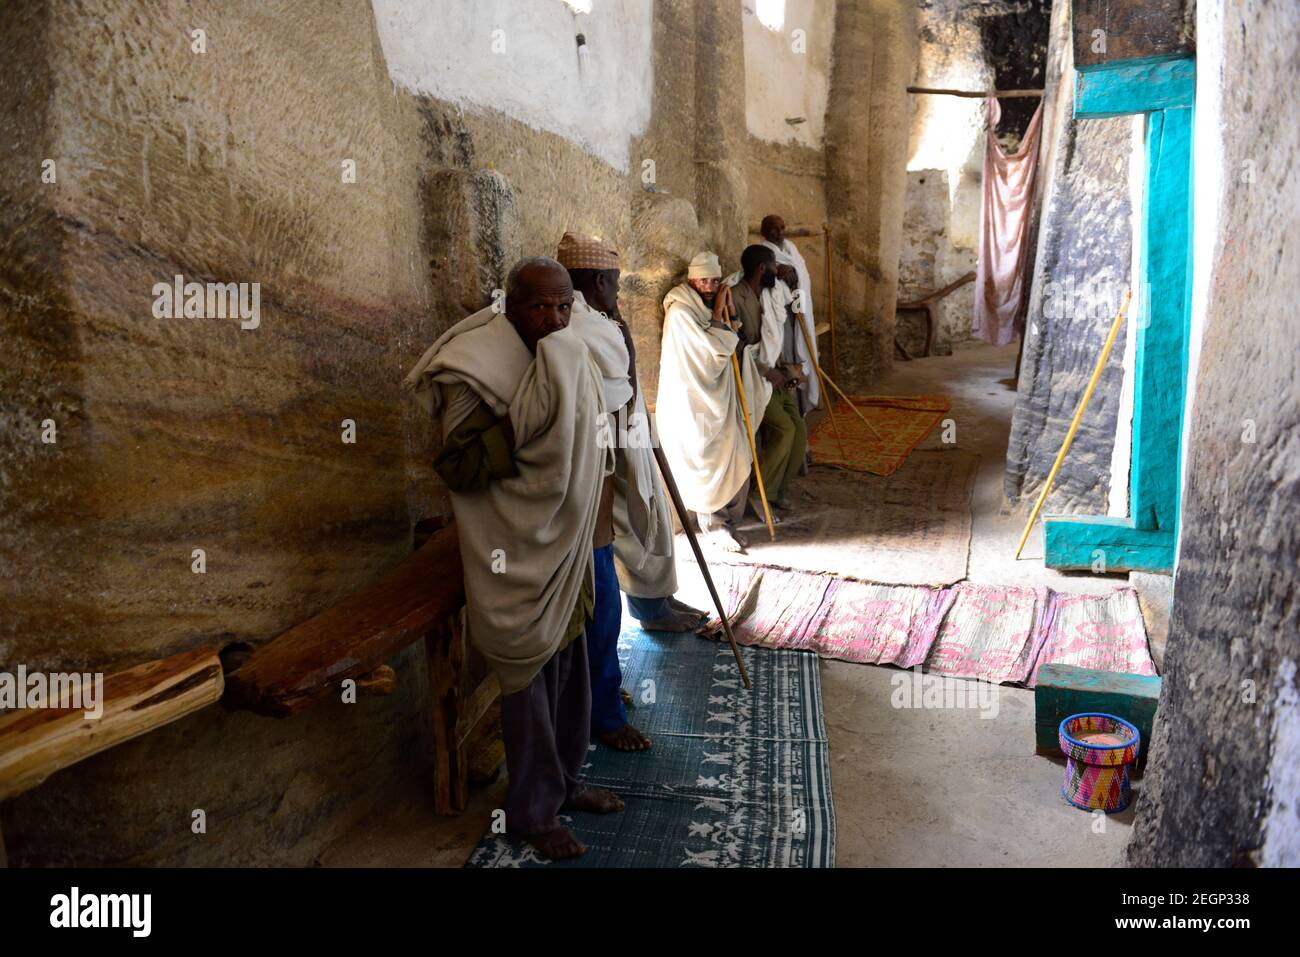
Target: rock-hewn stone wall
{"type": "Point", "coordinates": [1222, 784]}
{"type": "Point", "coordinates": [1083, 259]}
{"type": "Point", "coordinates": [232, 165]}
{"type": "Point", "coordinates": [182, 433]}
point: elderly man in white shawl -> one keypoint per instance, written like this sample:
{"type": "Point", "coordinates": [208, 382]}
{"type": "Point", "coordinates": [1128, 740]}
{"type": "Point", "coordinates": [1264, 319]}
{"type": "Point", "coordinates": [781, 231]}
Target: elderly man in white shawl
{"type": "Point", "coordinates": [700, 424]}
{"type": "Point", "coordinates": [793, 272]}
{"type": "Point", "coordinates": [520, 403]}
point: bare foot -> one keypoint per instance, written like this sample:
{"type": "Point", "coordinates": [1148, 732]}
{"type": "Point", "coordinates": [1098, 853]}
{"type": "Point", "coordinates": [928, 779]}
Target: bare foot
{"type": "Point", "coordinates": [557, 845]}
{"type": "Point", "coordinates": [595, 800]}
{"type": "Point", "coordinates": [626, 738]}
{"type": "Point", "coordinates": [626, 696]}
{"type": "Point", "coordinates": [686, 609]}
{"type": "Point", "coordinates": [676, 621]}
{"type": "Point", "coordinates": [727, 540]}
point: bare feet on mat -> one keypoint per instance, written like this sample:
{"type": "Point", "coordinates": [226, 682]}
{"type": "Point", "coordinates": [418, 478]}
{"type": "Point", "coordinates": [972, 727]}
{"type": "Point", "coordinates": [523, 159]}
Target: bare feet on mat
{"type": "Point", "coordinates": [686, 609]}
{"type": "Point", "coordinates": [676, 621]}
{"type": "Point", "coordinates": [558, 844]}
{"type": "Point", "coordinates": [595, 800]}
{"type": "Point", "coordinates": [626, 695]}
{"type": "Point", "coordinates": [626, 738]}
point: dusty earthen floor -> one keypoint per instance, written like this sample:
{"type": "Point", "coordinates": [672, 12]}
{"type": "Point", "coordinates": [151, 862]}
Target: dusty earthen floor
{"type": "Point", "coordinates": [912, 787]}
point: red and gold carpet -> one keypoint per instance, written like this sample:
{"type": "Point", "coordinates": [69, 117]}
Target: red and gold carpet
{"type": "Point", "coordinates": [902, 421]}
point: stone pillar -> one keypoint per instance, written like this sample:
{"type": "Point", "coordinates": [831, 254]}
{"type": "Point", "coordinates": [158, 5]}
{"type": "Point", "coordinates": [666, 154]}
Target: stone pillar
{"type": "Point", "coordinates": [721, 137]}
{"type": "Point", "coordinates": [868, 115]}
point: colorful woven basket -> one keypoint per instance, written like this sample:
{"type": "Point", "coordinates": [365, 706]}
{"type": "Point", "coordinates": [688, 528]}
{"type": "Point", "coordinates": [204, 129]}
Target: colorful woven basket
{"type": "Point", "coordinates": [1099, 749]}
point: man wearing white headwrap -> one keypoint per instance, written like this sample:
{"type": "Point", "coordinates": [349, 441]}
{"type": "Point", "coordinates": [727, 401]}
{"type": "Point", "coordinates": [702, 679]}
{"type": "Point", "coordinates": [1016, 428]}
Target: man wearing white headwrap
{"type": "Point", "coordinates": [794, 273]}
{"type": "Point", "coordinates": [519, 401]}
{"type": "Point", "coordinates": [700, 423]}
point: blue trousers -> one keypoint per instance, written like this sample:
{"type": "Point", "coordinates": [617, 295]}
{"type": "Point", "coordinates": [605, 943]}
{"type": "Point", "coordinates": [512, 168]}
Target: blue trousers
{"type": "Point", "coordinates": [649, 609]}
{"type": "Point", "coordinates": [607, 712]}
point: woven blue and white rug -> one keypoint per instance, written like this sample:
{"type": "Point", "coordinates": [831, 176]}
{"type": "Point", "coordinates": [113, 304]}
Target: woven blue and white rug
{"type": "Point", "coordinates": [736, 778]}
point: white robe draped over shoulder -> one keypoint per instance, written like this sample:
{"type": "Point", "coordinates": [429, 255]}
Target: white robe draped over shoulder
{"type": "Point", "coordinates": [698, 415]}
{"type": "Point", "coordinates": [787, 254]}
{"type": "Point", "coordinates": [525, 540]}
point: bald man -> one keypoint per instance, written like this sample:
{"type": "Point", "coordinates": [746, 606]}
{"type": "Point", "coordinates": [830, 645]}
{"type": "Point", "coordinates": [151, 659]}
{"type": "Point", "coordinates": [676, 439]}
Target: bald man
{"type": "Point", "coordinates": [518, 398]}
{"type": "Point", "coordinates": [793, 273]}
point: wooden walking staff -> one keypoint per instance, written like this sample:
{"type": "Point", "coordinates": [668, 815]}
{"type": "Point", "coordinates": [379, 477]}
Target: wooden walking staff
{"type": "Point", "coordinates": [749, 434]}
{"type": "Point", "coordinates": [831, 382]}
{"type": "Point", "coordinates": [830, 308]}
{"type": "Point", "coordinates": [671, 484]}
{"type": "Point", "coordinates": [753, 449]}
{"type": "Point", "coordinates": [1078, 417]}
{"type": "Point", "coordinates": [830, 299]}
{"type": "Point", "coordinates": [830, 406]}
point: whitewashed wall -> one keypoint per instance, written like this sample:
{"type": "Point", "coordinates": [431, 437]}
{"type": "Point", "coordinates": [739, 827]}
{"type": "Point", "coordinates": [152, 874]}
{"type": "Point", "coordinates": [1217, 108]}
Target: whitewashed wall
{"type": "Point", "coordinates": [521, 57]}
{"type": "Point", "coordinates": [781, 83]}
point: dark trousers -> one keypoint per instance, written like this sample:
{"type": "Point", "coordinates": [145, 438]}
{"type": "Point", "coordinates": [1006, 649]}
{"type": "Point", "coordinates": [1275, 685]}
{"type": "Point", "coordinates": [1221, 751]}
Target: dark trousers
{"type": "Point", "coordinates": [547, 728]}
{"type": "Point", "coordinates": [649, 609]}
{"type": "Point", "coordinates": [607, 711]}
{"type": "Point", "coordinates": [785, 438]}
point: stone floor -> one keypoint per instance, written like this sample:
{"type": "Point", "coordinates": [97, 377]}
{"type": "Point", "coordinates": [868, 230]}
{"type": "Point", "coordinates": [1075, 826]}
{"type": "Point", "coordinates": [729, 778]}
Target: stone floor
{"type": "Point", "coordinates": [912, 787]}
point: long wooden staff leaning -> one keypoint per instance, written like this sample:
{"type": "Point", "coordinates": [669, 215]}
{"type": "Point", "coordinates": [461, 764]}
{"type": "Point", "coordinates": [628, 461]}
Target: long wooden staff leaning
{"type": "Point", "coordinates": [1078, 417]}
{"type": "Point", "coordinates": [682, 516]}
{"type": "Point", "coordinates": [830, 406]}
{"type": "Point", "coordinates": [749, 434]}
{"type": "Point", "coordinates": [825, 380]}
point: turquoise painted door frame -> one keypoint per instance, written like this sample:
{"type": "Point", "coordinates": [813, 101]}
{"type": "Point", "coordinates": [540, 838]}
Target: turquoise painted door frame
{"type": "Point", "coordinates": [1165, 90]}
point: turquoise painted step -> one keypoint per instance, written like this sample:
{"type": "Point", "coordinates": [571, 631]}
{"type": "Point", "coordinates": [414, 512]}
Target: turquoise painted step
{"type": "Point", "coordinates": [1064, 690]}
{"type": "Point", "coordinates": [1075, 542]}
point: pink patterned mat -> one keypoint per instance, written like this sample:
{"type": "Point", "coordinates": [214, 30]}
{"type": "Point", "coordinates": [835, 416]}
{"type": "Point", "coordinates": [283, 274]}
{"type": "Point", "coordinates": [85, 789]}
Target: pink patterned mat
{"type": "Point", "coordinates": [1001, 634]}
{"type": "Point", "coordinates": [1105, 632]}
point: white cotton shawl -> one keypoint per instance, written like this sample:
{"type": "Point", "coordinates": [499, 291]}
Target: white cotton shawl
{"type": "Point", "coordinates": [643, 530]}
{"type": "Point", "coordinates": [788, 254]}
{"type": "Point", "coordinates": [698, 415]}
{"type": "Point", "coordinates": [525, 540]}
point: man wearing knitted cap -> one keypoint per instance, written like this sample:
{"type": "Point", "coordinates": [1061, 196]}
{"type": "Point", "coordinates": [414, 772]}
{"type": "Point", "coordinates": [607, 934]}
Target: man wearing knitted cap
{"type": "Point", "coordinates": [519, 402]}
{"type": "Point", "coordinates": [633, 542]}
{"type": "Point", "coordinates": [701, 426]}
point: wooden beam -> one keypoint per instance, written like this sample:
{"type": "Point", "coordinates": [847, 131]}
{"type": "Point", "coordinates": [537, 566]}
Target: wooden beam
{"type": "Point", "coordinates": [37, 742]}
{"type": "Point", "coordinates": [791, 232]}
{"type": "Point", "coordinates": [476, 707]}
{"type": "Point", "coordinates": [354, 636]}
{"type": "Point", "coordinates": [980, 94]}
{"type": "Point", "coordinates": [445, 656]}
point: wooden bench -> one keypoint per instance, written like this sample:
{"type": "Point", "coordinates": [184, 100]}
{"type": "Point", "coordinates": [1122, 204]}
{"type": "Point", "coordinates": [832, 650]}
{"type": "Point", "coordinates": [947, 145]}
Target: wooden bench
{"type": "Point", "coordinates": [420, 599]}
{"type": "Point", "coordinates": [928, 304]}
{"type": "Point", "coordinates": [37, 742]}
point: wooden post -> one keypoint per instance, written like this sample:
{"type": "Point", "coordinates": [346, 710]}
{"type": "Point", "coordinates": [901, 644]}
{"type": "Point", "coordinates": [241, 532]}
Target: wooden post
{"type": "Point", "coordinates": [978, 94]}
{"type": "Point", "coordinates": [445, 652]}
{"type": "Point", "coordinates": [830, 300]}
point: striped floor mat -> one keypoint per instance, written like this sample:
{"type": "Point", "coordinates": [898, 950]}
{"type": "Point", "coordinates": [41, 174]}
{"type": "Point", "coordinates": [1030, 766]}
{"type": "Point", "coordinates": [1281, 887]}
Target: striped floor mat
{"type": "Point", "coordinates": [736, 778]}
{"type": "Point", "coordinates": [1002, 634]}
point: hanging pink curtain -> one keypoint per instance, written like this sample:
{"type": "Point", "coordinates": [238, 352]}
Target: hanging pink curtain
{"type": "Point", "coordinates": [1004, 225]}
